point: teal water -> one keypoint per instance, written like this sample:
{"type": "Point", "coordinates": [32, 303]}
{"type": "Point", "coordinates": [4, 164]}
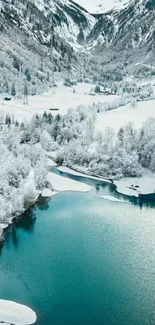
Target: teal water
{"type": "Point", "coordinates": [81, 260]}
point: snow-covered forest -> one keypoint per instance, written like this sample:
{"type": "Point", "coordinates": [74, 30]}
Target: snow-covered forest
{"type": "Point", "coordinates": [107, 153]}
{"type": "Point", "coordinates": [22, 175]}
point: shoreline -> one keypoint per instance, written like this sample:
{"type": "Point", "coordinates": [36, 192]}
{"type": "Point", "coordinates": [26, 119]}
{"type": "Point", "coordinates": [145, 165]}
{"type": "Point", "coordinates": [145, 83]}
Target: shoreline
{"type": "Point", "coordinates": [129, 186]}
{"type": "Point", "coordinates": [4, 226]}
{"type": "Point", "coordinates": [134, 187]}
{"type": "Point", "coordinates": [56, 184]}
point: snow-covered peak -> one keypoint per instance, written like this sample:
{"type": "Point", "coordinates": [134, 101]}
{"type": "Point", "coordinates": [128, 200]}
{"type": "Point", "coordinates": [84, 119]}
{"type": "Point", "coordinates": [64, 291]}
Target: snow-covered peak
{"type": "Point", "coordinates": [101, 6]}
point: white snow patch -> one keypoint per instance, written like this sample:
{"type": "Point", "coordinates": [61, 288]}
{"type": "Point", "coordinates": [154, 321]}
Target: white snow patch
{"type": "Point", "coordinates": [73, 172]}
{"type": "Point", "coordinates": [112, 198]}
{"type": "Point", "coordinates": [48, 193]}
{"type": "Point", "coordinates": [137, 185]}
{"type": "Point", "coordinates": [4, 225]}
{"type": "Point", "coordinates": [14, 313]}
{"type": "Point", "coordinates": [60, 183]}
{"type": "Point", "coordinates": [50, 162]}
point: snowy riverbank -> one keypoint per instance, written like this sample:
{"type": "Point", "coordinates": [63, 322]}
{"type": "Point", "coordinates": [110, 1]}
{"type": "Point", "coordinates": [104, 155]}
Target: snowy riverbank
{"type": "Point", "coordinates": [135, 186]}
{"type": "Point", "coordinates": [60, 184]}
{"type": "Point", "coordinates": [73, 172]}
{"type": "Point", "coordinates": [132, 186]}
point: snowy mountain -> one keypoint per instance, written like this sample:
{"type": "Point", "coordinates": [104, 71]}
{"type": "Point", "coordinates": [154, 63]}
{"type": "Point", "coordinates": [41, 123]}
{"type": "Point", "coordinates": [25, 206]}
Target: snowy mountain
{"type": "Point", "coordinates": [102, 6]}
{"type": "Point", "coordinates": [37, 17]}
{"type": "Point", "coordinates": [126, 36]}
{"type": "Point", "coordinates": [40, 37]}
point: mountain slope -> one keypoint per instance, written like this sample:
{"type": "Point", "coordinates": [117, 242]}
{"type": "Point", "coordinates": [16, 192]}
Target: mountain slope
{"type": "Point", "coordinates": [38, 36]}
{"type": "Point", "coordinates": [37, 17]}
{"type": "Point", "coordinates": [45, 39]}
{"type": "Point", "coordinates": [128, 33]}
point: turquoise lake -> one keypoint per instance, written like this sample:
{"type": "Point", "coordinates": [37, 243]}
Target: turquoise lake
{"type": "Point", "coordinates": [77, 259]}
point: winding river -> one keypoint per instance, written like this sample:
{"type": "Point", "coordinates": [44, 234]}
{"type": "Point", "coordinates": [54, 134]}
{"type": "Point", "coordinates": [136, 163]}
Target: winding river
{"type": "Point", "coordinates": [78, 259]}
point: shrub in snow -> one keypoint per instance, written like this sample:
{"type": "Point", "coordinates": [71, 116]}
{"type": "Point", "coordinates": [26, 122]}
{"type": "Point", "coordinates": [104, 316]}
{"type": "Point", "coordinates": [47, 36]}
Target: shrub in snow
{"type": "Point", "coordinates": [97, 89]}
{"type": "Point", "coordinates": [133, 102]}
{"type": "Point", "coordinates": [46, 140]}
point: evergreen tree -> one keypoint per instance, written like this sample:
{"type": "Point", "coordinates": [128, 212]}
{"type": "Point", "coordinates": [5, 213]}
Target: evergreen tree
{"type": "Point", "coordinates": [13, 90]}
{"type": "Point", "coordinates": [25, 99]}
{"type": "Point", "coordinates": [45, 117]}
{"type": "Point", "coordinates": [120, 135]}
{"type": "Point", "coordinates": [8, 120]}
{"type": "Point", "coordinates": [6, 87]}
{"type": "Point", "coordinates": [50, 118]}
{"type": "Point", "coordinates": [22, 126]}
{"type": "Point", "coordinates": [16, 123]}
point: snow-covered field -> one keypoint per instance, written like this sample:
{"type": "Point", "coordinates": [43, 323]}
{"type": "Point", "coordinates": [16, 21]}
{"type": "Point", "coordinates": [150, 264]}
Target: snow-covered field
{"type": "Point", "coordinates": [63, 98]}
{"type": "Point", "coordinates": [121, 116]}
{"type": "Point", "coordinates": [13, 313]}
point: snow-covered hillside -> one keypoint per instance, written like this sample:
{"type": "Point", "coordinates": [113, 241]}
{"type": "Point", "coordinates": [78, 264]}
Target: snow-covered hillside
{"type": "Point", "coordinates": [101, 6]}
{"type": "Point", "coordinates": [125, 38]}
{"type": "Point", "coordinates": [38, 37]}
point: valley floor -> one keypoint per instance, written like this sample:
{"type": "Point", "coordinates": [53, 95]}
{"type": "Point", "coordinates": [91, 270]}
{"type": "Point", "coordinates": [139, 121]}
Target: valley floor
{"type": "Point", "coordinates": [63, 98]}
{"type": "Point", "coordinates": [57, 100]}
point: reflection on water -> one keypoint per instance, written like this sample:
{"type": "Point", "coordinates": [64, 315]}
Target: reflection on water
{"type": "Point", "coordinates": [25, 222]}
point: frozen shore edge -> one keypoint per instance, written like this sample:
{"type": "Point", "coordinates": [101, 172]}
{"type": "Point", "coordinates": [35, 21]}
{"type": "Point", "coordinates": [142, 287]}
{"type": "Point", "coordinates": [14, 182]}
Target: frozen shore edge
{"type": "Point", "coordinates": [15, 313]}
{"type": "Point", "coordinates": [131, 186]}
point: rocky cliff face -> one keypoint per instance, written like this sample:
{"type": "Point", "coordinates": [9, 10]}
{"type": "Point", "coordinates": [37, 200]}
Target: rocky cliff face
{"type": "Point", "coordinates": [37, 18]}
{"type": "Point", "coordinates": [128, 28]}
